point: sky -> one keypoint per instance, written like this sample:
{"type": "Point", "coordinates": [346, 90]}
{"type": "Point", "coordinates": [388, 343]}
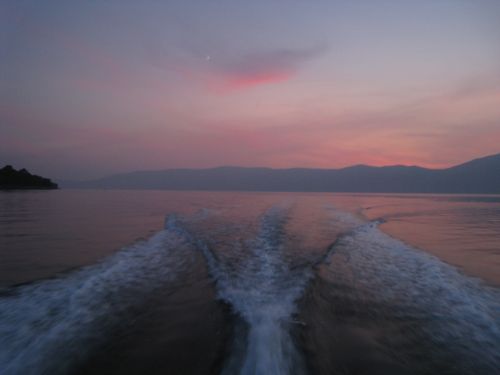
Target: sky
{"type": "Point", "coordinates": [92, 88]}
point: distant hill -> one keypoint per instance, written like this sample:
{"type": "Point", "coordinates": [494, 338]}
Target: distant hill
{"type": "Point", "coordinates": [22, 179]}
{"type": "Point", "coordinates": [476, 176]}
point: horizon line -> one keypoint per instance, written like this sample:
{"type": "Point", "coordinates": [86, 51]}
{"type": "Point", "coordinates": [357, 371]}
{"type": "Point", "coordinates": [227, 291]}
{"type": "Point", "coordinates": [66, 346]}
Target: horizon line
{"type": "Point", "coordinates": [273, 168]}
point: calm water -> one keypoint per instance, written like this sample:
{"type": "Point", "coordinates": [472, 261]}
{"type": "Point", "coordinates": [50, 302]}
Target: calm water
{"type": "Point", "coordinates": [157, 282]}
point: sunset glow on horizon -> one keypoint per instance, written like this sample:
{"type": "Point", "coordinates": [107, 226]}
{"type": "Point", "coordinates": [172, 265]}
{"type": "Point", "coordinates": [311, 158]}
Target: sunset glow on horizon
{"type": "Point", "coordinates": [95, 88]}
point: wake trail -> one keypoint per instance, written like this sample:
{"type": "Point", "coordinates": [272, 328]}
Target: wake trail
{"type": "Point", "coordinates": [49, 326]}
{"type": "Point", "coordinates": [456, 317]}
{"type": "Point", "coordinates": [263, 291]}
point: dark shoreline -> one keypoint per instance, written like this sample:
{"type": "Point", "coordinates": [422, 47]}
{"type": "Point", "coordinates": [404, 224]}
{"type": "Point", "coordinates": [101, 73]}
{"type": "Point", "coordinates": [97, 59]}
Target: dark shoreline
{"type": "Point", "coordinates": [12, 179]}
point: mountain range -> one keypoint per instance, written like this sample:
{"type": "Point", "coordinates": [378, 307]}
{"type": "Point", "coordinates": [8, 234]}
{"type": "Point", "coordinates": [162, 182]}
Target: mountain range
{"type": "Point", "coordinates": [476, 176]}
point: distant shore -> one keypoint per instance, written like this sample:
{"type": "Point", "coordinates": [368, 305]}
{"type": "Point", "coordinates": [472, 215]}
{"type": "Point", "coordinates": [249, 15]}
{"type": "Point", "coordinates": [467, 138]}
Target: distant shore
{"type": "Point", "coordinates": [12, 179]}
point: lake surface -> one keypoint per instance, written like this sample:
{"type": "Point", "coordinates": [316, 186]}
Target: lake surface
{"type": "Point", "coordinates": [162, 282]}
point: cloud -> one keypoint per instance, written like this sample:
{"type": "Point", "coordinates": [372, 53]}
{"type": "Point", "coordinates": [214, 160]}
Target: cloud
{"type": "Point", "coordinates": [96, 69]}
{"type": "Point", "coordinates": [240, 82]}
{"type": "Point", "coordinates": [261, 68]}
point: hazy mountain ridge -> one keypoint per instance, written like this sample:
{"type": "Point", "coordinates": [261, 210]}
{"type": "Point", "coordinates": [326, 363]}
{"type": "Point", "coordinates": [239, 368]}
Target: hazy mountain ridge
{"type": "Point", "coordinates": [476, 176]}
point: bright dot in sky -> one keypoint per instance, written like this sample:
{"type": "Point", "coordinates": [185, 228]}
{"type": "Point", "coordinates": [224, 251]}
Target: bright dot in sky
{"type": "Point", "coordinates": [208, 58]}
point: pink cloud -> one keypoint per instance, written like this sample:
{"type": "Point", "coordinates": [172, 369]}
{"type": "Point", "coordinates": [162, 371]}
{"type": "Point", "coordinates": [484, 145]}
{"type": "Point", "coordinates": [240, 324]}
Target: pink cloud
{"type": "Point", "coordinates": [263, 78]}
{"type": "Point", "coordinates": [220, 75]}
{"type": "Point", "coordinates": [252, 70]}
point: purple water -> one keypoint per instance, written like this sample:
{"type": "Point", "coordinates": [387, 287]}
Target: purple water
{"type": "Point", "coordinates": [125, 282]}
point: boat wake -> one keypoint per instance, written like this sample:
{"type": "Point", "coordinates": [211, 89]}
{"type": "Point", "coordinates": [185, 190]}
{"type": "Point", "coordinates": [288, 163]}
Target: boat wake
{"type": "Point", "coordinates": [418, 313]}
{"type": "Point", "coordinates": [263, 290]}
{"type": "Point", "coordinates": [51, 325]}
{"type": "Point", "coordinates": [447, 321]}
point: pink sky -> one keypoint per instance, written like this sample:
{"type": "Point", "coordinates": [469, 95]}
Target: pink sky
{"type": "Point", "coordinates": [94, 89]}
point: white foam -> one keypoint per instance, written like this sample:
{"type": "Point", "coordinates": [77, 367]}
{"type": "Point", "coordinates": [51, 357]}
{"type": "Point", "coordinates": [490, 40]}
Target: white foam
{"type": "Point", "coordinates": [263, 291]}
{"type": "Point", "coordinates": [48, 326]}
{"type": "Point", "coordinates": [343, 220]}
{"type": "Point", "coordinates": [461, 314]}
